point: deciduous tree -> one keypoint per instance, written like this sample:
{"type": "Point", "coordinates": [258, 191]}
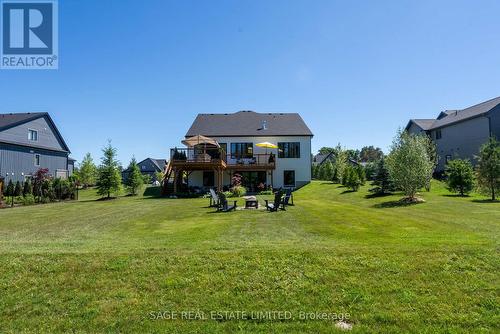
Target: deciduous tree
{"type": "Point", "coordinates": [409, 163]}
{"type": "Point", "coordinates": [488, 168]}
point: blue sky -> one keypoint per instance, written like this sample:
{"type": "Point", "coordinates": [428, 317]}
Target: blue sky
{"type": "Point", "coordinates": [137, 72]}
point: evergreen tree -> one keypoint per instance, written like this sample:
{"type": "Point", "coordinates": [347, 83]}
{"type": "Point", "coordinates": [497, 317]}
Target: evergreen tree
{"type": "Point", "coordinates": [18, 190]}
{"type": "Point", "coordinates": [108, 179]}
{"type": "Point", "coordinates": [87, 171]}
{"type": "Point", "coordinates": [328, 171]}
{"type": "Point", "coordinates": [135, 179]}
{"type": "Point", "coordinates": [360, 170]}
{"type": "Point", "coordinates": [352, 179]}
{"type": "Point", "coordinates": [321, 172]}
{"type": "Point", "coordinates": [459, 176]}
{"type": "Point", "coordinates": [10, 191]}
{"type": "Point", "coordinates": [335, 177]}
{"type": "Point", "coordinates": [27, 188]}
{"type": "Point", "coordinates": [488, 168]}
{"type": "Point", "coordinates": [382, 180]}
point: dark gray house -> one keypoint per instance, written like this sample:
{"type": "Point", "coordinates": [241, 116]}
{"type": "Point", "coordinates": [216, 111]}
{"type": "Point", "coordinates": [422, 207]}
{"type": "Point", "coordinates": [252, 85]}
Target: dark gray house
{"type": "Point", "coordinates": [28, 142]}
{"type": "Point", "coordinates": [148, 166]}
{"type": "Point", "coordinates": [460, 133]}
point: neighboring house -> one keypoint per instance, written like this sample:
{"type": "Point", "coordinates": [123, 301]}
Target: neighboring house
{"type": "Point", "coordinates": [237, 134]}
{"type": "Point", "coordinates": [460, 133]}
{"type": "Point", "coordinates": [319, 159]}
{"type": "Point", "coordinates": [28, 142]}
{"type": "Point", "coordinates": [149, 167]}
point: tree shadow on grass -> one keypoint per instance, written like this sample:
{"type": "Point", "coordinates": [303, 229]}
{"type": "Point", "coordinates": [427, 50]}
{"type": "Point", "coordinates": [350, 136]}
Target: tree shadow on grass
{"type": "Point", "coordinates": [485, 201]}
{"type": "Point", "coordinates": [456, 196]}
{"type": "Point", "coordinates": [347, 191]}
{"type": "Point", "coordinates": [375, 195]}
{"type": "Point", "coordinates": [395, 204]}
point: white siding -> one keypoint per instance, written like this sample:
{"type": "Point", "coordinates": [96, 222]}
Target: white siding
{"type": "Point", "coordinates": [301, 166]}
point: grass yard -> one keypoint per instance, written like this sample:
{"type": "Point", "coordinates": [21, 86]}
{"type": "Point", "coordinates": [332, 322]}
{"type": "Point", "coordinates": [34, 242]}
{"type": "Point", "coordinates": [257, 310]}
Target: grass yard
{"type": "Point", "coordinates": [113, 266]}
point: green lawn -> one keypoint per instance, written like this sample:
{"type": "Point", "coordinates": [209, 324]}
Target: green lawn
{"type": "Point", "coordinates": [106, 266]}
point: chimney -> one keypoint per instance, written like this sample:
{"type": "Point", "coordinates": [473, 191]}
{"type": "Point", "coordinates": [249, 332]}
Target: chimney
{"type": "Point", "coordinates": [264, 125]}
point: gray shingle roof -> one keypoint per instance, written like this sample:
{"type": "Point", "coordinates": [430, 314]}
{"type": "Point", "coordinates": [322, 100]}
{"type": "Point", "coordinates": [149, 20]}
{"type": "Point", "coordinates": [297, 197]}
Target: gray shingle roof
{"type": "Point", "coordinates": [449, 117]}
{"type": "Point", "coordinates": [471, 112]}
{"type": "Point", "coordinates": [10, 120]}
{"type": "Point", "coordinates": [160, 163]}
{"type": "Point", "coordinates": [425, 124]}
{"type": "Point", "coordinates": [14, 119]}
{"type": "Point", "coordinates": [249, 123]}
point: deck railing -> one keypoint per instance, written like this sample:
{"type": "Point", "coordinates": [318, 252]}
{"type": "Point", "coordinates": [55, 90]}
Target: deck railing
{"type": "Point", "coordinates": [198, 155]}
{"type": "Point", "coordinates": [213, 155]}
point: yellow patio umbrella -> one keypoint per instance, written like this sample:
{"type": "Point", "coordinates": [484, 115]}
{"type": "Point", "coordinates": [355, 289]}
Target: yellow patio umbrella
{"type": "Point", "coordinates": [267, 145]}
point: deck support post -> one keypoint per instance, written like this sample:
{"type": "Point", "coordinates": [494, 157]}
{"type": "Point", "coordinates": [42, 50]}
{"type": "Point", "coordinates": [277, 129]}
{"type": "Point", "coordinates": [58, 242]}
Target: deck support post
{"type": "Point", "coordinates": [175, 180]}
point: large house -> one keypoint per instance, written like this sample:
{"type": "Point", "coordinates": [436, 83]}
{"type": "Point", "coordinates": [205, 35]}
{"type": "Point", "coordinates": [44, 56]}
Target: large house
{"type": "Point", "coordinates": [28, 142]}
{"type": "Point", "coordinates": [460, 133]}
{"type": "Point", "coordinates": [232, 148]}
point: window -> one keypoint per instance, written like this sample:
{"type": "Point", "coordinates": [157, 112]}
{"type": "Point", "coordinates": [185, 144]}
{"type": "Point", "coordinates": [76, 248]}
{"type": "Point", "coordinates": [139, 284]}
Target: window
{"type": "Point", "coordinates": [289, 178]}
{"type": "Point", "coordinates": [208, 178]}
{"type": "Point", "coordinates": [241, 150]}
{"type": "Point", "coordinates": [37, 159]}
{"type": "Point", "coordinates": [288, 150]}
{"type": "Point", "coordinates": [32, 135]}
{"type": "Point", "coordinates": [143, 167]}
{"type": "Point", "coordinates": [438, 134]}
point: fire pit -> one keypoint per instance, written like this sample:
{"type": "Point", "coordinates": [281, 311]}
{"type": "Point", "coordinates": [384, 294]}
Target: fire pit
{"type": "Point", "coordinates": [251, 202]}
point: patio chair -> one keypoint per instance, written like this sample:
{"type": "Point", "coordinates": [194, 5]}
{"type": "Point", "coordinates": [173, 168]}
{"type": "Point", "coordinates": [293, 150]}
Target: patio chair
{"type": "Point", "coordinates": [214, 199]}
{"type": "Point", "coordinates": [288, 198]}
{"type": "Point", "coordinates": [277, 204]}
{"type": "Point", "coordinates": [223, 204]}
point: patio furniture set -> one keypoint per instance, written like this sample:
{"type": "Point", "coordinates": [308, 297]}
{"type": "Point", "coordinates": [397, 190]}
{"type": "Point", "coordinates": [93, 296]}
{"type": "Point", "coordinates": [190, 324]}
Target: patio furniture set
{"type": "Point", "coordinates": [281, 200]}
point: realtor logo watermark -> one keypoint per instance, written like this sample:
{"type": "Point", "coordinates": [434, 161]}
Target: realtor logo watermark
{"type": "Point", "coordinates": [29, 33]}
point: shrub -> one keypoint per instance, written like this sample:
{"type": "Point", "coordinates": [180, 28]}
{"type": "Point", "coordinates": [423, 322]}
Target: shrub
{"type": "Point", "coordinates": [238, 191]}
{"type": "Point", "coordinates": [28, 199]}
{"type": "Point", "coordinates": [459, 176]}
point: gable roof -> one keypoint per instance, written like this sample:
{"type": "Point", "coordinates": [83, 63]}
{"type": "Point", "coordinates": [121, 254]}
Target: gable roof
{"type": "Point", "coordinates": [158, 163]}
{"type": "Point", "coordinates": [249, 123]}
{"type": "Point", "coordinates": [449, 117]}
{"type": "Point", "coordinates": [320, 158]}
{"type": "Point", "coordinates": [424, 124]}
{"type": "Point", "coordinates": [11, 120]}
{"type": "Point", "coordinates": [454, 116]}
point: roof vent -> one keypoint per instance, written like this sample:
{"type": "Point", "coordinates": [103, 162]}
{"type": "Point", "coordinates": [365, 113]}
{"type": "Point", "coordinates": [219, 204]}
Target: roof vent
{"type": "Point", "coordinates": [264, 125]}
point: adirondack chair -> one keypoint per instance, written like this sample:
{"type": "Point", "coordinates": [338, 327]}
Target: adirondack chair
{"type": "Point", "coordinates": [278, 202]}
{"type": "Point", "coordinates": [288, 198]}
{"type": "Point", "coordinates": [214, 199]}
{"type": "Point", "coordinates": [223, 204]}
